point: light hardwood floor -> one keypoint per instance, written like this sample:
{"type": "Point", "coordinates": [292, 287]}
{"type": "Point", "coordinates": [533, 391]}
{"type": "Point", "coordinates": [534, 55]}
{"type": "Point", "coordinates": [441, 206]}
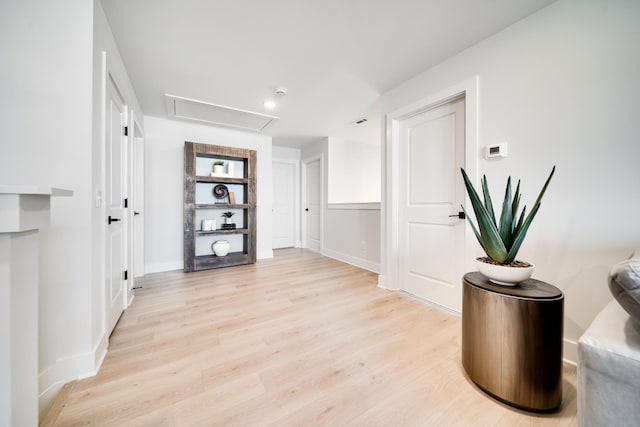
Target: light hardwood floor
{"type": "Point", "coordinates": [300, 340]}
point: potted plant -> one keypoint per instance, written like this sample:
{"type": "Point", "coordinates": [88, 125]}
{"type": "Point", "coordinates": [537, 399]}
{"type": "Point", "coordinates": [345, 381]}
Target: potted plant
{"type": "Point", "coordinates": [228, 226]}
{"type": "Point", "coordinates": [502, 240]}
{"type": "Point", "coordinates": [218, 167]}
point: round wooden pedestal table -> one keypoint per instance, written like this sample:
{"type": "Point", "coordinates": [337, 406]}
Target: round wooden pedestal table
{"type": "Point", "coordinates": [512, 341]}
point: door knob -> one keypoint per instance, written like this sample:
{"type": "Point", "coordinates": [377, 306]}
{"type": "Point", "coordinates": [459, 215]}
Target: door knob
{"type": "Point", "coordinates": [110, 220]}
{"type": "Point", "coordinates": [460, 215]}
{"type": "Point", "coordinates": [307, 209]}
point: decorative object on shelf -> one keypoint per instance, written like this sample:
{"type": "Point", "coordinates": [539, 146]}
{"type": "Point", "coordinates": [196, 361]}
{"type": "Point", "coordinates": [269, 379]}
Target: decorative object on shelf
{"type": "Point", "coordinates": [208, 224]}
{"type": "Point", "coordinates": [220, 247]}
{"type": "Point", "coordinates": [232, 198]}
{"type": "Point", "coordinates": [221, 193]}
{"type": "Point", "coordinates": [218, 167]}
{"type": "Point", "coordinates": [501, 241]}
{"type": "Point", "coordinates": [228, 226]}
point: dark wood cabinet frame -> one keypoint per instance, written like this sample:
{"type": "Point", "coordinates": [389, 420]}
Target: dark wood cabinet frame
{"type": "Point", "coordinates": [193, 150]}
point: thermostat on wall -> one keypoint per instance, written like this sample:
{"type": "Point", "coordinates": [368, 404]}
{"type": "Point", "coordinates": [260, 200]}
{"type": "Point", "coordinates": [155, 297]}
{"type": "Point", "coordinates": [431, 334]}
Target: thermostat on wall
{"type": "Point", "coordinates": [496, 150]}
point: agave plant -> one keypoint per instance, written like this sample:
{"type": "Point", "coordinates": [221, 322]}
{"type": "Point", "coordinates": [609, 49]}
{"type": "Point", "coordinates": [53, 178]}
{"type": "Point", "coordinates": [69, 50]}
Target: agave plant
{"type": "Point", "coordinates": [501, 241]}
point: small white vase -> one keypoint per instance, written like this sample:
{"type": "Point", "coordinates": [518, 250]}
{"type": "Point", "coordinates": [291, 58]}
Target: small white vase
{"type": "Point", "coordinates": [503, 274]}
{"type": "Point", "coordinates": [220, 247]}
{"type": "Point", "coordinates": [218, 169]}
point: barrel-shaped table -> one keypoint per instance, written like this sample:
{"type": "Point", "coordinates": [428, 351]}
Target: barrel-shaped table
{"type": "Point", "coordinates": [512, 341]}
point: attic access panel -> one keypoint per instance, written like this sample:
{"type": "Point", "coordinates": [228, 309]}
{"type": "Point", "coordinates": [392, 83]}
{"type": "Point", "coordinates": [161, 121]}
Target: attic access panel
{"type": "Point", "coordinates": [201, 111]}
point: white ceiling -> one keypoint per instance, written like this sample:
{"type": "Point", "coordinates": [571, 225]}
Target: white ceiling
{"type": "Point", "coordinates": [334, 57]}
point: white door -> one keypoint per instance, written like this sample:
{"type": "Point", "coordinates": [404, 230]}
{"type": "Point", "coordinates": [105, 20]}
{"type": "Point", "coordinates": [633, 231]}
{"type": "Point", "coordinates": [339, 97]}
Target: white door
{"type": "Point", "coordinates": [431, 235]}
{"type": "Point", "coordinates": [138, 206]}
{"type": "Point", "coordinates": [284, 175]}
{"type": "Point", "coordinates": [115, 193]}
{"type": "Point", "coordinates": [312, 204]}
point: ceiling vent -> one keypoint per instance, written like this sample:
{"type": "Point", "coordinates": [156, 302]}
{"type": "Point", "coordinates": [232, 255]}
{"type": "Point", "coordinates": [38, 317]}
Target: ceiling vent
{"type": "Point", "coordinates": [205, 112]}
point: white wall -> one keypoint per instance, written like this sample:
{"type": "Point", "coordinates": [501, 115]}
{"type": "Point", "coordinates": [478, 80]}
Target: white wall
{"type": "Point", "coordinates": [285, 153]}
{"type": "Point", "coordinates": [351, 233]}
{"type": "Point", "coordinates": [164, 159]}
{"type": "Point", "coordinates": [561, 87]}
{"type": "Point", "coordinates": [354, 161]}
{"type": "Point", "coordinates": [354, 171]}
{"type": "Point", "coordinates": [47, 125]}
{"type": "Point", "coordinates": [45, 70]}
{"type": "Point", "coordinates": [104, 48]}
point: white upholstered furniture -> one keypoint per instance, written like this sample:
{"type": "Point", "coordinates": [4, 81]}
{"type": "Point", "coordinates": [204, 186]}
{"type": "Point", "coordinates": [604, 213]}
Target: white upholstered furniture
{"type": "Point", "coordinates": [609, 358]}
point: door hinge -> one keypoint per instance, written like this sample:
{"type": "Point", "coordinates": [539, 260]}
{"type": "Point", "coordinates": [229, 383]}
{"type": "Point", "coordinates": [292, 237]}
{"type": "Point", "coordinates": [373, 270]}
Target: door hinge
{"type": "Point", "coordinates": [126, 203]}
{"type": "Point", "coordinates": [126, 274]}
{"type": "Point", "coordinates": [126, 131]}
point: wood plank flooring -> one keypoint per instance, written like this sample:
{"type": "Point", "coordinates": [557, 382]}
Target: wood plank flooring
{"type": "Point", "coordinates": [300, 340]}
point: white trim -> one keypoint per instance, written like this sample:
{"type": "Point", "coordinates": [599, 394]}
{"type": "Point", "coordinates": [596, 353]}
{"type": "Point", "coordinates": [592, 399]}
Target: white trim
{"type": "Point", "coordinates": [305, 162]}
{"type": "Point", "coordinates": [391, 203]}
{"type": "Point", "coordinates": [570, 351]}
{"type": "Point", "coordinates": [382, 282]}
{"type": "Point", "coordinates": [161, 267]}
{"type": "Point", "coordinates": [367, 206]}
{"type": "Point", "coordinates": [266, 254]}
{"type": "Point", "coordinates": [69, 368]}
{"type": "Point", "coordinates": [297, 241]}
{"type": "Point", "coordinates": [353, 260]}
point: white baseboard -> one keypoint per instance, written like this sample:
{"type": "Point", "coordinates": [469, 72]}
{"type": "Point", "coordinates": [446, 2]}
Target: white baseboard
{"type": "Point", "coordinates": [385, 283]}
{"type": "Point", "coordinates": [161, 267]}
{"type": "Point", "coordinates": [570, 352]}
{"type": "Point", "coordinates": [350, 259]}
{"type": "Point", "coordinates": [265, 254]}
{"type": "Point", "coordinates": [65, 369]}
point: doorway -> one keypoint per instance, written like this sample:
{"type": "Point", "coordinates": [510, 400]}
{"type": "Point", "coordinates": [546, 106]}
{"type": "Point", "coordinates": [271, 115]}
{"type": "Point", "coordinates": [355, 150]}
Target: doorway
{"type": "Point", "coordinates": [285, 201]}
{"type": "Point", "coordinates": [136, 209]}
{"type": "Point", "coordinates": [431, 235]}
{"type": "Point", "coordinates": [312, 202]}
{"type": "Point", "coordinates": [428, 247]}
{"type": "Point", "coordinates": [115, 188]}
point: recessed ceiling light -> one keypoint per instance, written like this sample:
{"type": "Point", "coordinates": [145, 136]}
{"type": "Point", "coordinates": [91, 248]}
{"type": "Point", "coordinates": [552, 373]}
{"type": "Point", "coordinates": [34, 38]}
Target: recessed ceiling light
{"type": "Point", "coordinates": [270, 105]}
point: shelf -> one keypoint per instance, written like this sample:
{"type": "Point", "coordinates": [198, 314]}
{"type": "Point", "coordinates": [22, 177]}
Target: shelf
{"type": "Point", "coordinates": [216, 232]}
{"type": "Point", "coordinates": [213, 261]}
{"type": "Point", "coordinates": [221, 179]}
{"type": "Point", "coordinates": [224, 206]}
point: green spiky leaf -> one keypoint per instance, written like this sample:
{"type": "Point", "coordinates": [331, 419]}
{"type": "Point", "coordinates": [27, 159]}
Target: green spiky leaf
{"type": "Point", "coordinates": [489, 236]}
{"type": "Point", "coordinates": [502, 243]}
{"type": "Point", "coordinates": [506, 216]}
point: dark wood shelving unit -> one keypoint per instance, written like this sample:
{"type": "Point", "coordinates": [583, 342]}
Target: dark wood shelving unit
{"type": "Point", "coordinates": [193, 154]}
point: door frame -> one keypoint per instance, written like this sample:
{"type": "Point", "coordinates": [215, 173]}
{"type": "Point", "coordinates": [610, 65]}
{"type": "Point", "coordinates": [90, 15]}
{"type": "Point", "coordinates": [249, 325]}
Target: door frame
{"type": "Point", "coordinates": [297, 242]}
{"type": "Point", "coordinates": [305, 162]}
{"type": "Point", "coordinates": [390, 253]}
{"type": "Point", "coordinates": [136, 136]}
{"type": "Point", "coordinates": [110, 77]}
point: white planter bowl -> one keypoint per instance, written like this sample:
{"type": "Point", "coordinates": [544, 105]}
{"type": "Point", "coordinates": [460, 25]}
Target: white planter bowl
{"type": "Point", "coordinates": [505, 275]}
